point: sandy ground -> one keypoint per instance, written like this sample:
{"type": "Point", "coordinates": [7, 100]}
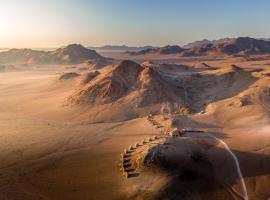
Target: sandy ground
{"type": "Point", "coordinates": [48, 152]}
{"type": "Point", "coordinates": [43, 159]}
{"type": "Point", "coordinates": [54, 159]}
{"type": "Point", "coordinates": [254, 62]}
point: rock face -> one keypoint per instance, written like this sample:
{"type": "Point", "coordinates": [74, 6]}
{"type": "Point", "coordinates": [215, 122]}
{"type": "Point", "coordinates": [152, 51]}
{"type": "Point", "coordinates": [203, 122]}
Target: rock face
{"type": "Point", "coordinates": [238, 46]}
{"type": "Point", "coordinates": [71, 54]}
{"type": "Point", "coordinates": [159, 51]}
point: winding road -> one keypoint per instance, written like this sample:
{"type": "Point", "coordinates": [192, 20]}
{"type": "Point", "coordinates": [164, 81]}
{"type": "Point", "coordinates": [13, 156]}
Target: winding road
{"type": "Point", "coordinates": [241, 179]}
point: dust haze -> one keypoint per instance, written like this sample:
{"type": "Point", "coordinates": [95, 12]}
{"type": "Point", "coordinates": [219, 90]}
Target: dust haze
{"type": "Point", "coordinates": [168, 122]}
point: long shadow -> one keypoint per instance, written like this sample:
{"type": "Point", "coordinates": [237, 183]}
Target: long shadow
{"type": "Point", "coordinates": [183, 121]}
{"type": "Point", "coordinates": [207, 171]}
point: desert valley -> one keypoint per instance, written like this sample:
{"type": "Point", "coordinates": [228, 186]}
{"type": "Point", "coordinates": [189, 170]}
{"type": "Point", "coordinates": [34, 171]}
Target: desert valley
{"type": "Point", "coordinates": [153, 123]}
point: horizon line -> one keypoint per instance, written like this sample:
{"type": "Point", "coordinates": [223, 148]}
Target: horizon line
{"type": "Point", "coordinates": [136, 46]}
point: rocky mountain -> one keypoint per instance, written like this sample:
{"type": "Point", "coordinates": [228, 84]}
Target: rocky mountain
{"type": "Point", "coordinates": [128, 89]}
{"type": "Point", "coordinates": [138, 88]}
{"type": "Point", "coordinates": [159, 51]}
{"type": "Point", "coordinates": [238, 46]}
{"type": "Point", "coordinates": [71, 54]}
{"type": "Point", "coordinates": [197, 43]}
{"type": "Point", "coordinates": [204, 42]}
{"type": "Point", "coordinates": [234, 46]}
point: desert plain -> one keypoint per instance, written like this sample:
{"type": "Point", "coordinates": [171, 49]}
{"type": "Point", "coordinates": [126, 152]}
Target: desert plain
{"type": "Point", "coordinates": [123, 126]}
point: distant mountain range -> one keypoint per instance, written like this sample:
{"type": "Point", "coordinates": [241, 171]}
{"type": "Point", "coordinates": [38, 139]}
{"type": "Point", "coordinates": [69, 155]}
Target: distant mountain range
{"type": "Point", "coordinates": [76, 53]}
{"type": "Point", "coordinates": [160, 50]}
{"type": "Point", "coordinates": [219, 41]}
{"type": "Point", "coordinates": [119, 48]}
{"type": "Point", "coordinates": [235, 46]}
{"type": "Point", "coordinates": [227, 46]}
{"type": "Point", "coordinates": [205, 41]}
{"type": "Point", "coordinates": [71, 54]}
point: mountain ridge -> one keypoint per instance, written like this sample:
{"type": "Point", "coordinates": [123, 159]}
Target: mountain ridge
{"type": "Point", "coordinates": [228, 46]}
{"type": "Point", "coordinates": [70, 54]}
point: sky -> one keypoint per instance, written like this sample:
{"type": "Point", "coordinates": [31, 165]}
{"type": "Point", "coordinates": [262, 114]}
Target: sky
{"type": "Point", "coordinates": [54, 23]}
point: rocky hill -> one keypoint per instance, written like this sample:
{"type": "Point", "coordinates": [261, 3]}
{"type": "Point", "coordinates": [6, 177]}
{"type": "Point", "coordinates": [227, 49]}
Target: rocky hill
{"type": "Point", "coordinates": [137, 88]}
{"type": "Point", "coordinates": [128, 90]}
{"type": "Point", "coordinates": [204, 42]}
{"type": "Point", "coordinates": [238, 46]}
{"type": "Point", "coordinates": [71, 54]}
{"type": "Point", "coordinates": [242, 46]}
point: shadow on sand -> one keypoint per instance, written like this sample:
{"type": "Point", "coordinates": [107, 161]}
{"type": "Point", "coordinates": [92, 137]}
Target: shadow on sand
{"type": "Point", "coordinates": [205, 170]}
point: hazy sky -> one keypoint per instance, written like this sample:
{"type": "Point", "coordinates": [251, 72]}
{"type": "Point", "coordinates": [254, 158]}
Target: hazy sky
{"type": "Point", "coordinates": [52, 23]}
